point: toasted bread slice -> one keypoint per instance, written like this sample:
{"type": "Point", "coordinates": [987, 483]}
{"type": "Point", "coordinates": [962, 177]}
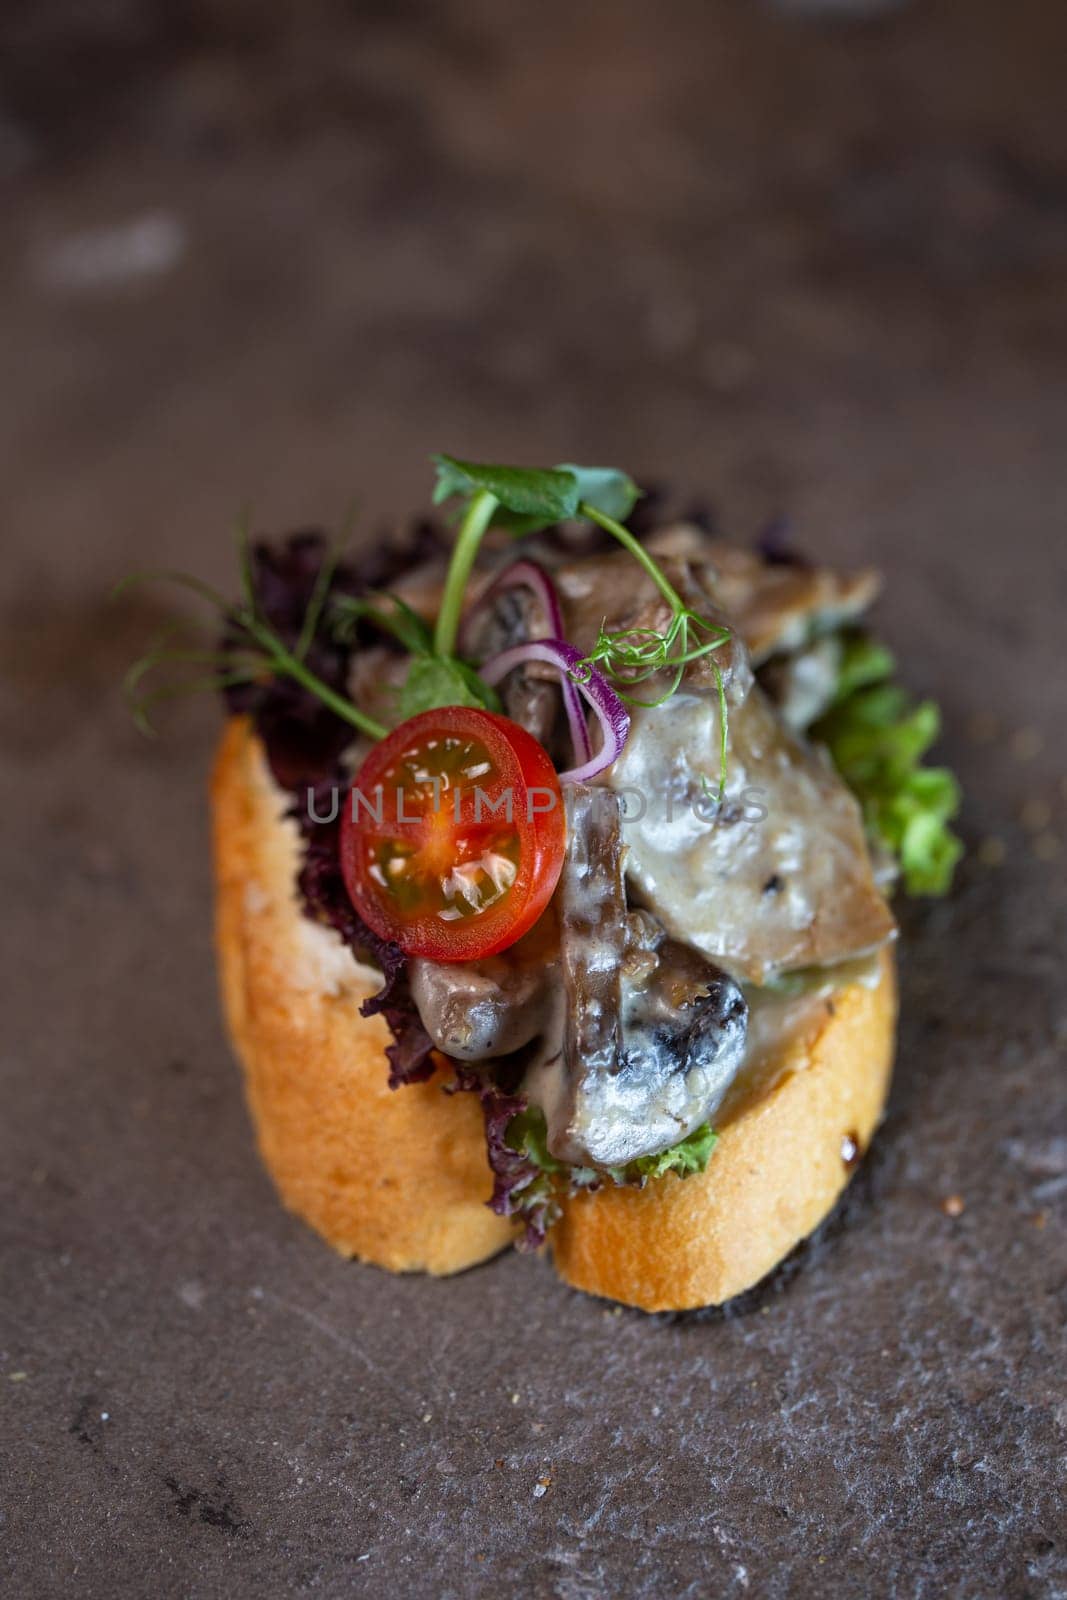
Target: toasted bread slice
{"type": "Point", "coordinates": [397, 1177]}
{"type": "Point", "coordinates": [400, 1177]}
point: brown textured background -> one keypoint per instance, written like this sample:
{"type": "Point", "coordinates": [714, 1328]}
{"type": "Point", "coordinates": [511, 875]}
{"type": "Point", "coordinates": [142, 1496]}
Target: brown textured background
{"type": "Point", "coordinates": [275, 255]}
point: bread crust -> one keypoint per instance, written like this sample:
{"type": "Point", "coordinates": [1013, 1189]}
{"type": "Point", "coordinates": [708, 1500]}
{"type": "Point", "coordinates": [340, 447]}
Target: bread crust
{"type": "Point", "coordinates": [396, 1177]}
{"type": "Point", "coordinates": [400, 1178]}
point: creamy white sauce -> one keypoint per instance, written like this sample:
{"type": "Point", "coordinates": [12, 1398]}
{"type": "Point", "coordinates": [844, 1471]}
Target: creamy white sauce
{"type": "Point", "coordinates": [780, 878]}
{"type": "Point", "coordinates": [680, 861]}
{"type": "Point", "coordinates": [784, 1015]}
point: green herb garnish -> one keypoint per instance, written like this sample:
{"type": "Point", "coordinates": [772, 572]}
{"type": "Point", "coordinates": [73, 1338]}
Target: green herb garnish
{"type": "Point", "coordinates": [538, 496]}
{"type": "Point", "coordinates": [531, 498]}
{"type": "Point", "coordinates": [632, 656]}
{"type": "Point", "coordinates": [472, 531]}
{"type": "Point", "coordinates": [433, 680]}
{"type": "Point", "coordinates": [863, 661]}
{"type": "Point", "coordinates": [522, 500]}
{"type": "Point", "coordinates": [636, 654]}
{"type": "Point", "coordinates": [528, 499]}
{"type": "Point", "coordinates": [387, 612]}
{"type": "Point", "coordinates": [519, 499]}
{"type": "Point", "coordinates": [877, 736]}
{"type": "Point", "coordinates": [261, 654]}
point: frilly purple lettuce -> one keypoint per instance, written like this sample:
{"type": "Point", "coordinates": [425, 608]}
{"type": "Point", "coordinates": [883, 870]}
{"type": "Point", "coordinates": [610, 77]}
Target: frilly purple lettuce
{"type": "Point", "coordinates": [303, 738]}
{"type": "Point", "coordinates": [304, 741]}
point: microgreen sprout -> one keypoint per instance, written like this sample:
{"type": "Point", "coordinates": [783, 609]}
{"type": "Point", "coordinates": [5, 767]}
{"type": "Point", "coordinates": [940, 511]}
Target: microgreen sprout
{"type": "Point", "coordinates": [527, 499]}
{"type": "Point", "coordinates": [226, 671]}
{"type": "Point", "coordinates": [433, 680]}
{"type": "Point", "coordinates": [632, 656]}
{"type": "Point", "coordinates": [317, 603]}
{"type": "Point", "coordinates": [388, 613]}
{"type": "Point", "coordinates": [257, 653]}
{"type": "Point", "coordinates": [472, 530]}
{"type": "Point", "coordinates": [516, 499]}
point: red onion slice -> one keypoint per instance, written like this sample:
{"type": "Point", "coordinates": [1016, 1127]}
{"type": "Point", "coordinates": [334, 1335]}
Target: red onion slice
{"type": "Point", "coordinates": [610, 712]}
{"type": "Point", "coordinates": [528, 575]}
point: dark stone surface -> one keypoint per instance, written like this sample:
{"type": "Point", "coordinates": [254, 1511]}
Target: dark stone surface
{"type": "Point", "coordinates": [799, 266]}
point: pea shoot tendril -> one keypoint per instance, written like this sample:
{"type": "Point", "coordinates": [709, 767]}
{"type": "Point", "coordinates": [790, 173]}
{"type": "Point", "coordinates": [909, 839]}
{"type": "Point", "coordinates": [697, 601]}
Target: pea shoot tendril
{"type": "Point", "coordinates": [260, 654]}
{"type": "Point", "coordinates": [632, 656]}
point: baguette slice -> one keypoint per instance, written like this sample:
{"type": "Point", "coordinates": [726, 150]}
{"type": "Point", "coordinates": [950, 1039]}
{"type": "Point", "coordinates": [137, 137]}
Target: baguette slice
{"type": "Point", "coordinates": [400, 1177]}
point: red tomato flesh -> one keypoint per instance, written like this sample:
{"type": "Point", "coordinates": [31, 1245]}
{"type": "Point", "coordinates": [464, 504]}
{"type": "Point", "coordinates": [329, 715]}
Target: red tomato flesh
{"type": "Point", "coordinates": [453, 834]}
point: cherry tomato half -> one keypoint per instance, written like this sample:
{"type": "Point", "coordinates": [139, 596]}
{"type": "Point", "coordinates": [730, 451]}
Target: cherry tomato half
{"type": "Point", "coordinates": [453, 834]}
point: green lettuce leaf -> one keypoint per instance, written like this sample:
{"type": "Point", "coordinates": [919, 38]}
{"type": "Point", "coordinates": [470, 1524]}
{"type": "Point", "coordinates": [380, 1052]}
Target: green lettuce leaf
{"type": "Point", "coordinates": [863, 661]}
{"type": "Point", "coordinates": [877, 736]}
{"type": "Point", "coordinates": [527, 1134]}
{"type": "Point", "coordinates": [690, 1155]}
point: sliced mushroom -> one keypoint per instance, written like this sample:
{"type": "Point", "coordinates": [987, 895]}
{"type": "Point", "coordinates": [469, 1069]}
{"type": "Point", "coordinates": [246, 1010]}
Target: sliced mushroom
{"type": "Point", "coordinates": [776, 606]}
{"type": "Point", "coordinates": [773, 608]}
{"type": "Point", "coordinates": [788, 822]}
{"type": "Point", "coordinates": [478, 1010]}
{"type": "Point", "coordinates": [652, 1033]}
{"type": "Point", "coordinates": [788, 817]}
